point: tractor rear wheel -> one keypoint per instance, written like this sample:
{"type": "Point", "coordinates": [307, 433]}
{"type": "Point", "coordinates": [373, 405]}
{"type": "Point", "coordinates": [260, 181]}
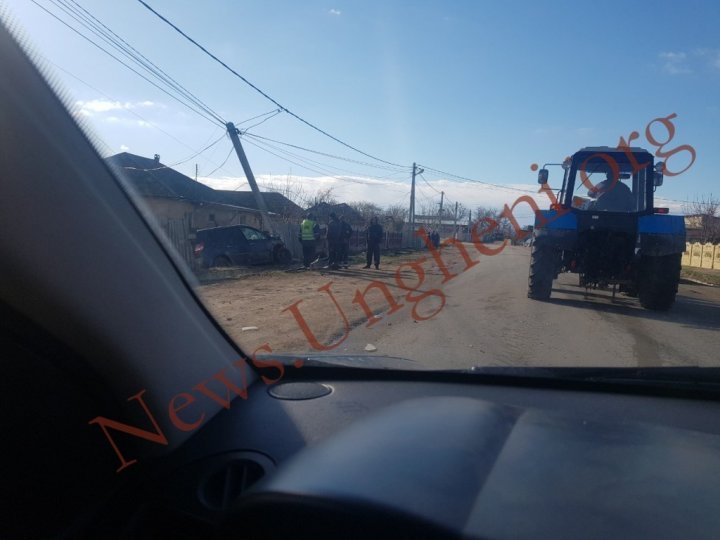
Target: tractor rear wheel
{"type": "Point", "coordinates": [542, 272]}
{"type": "Point", "coordinates": [658, 281]}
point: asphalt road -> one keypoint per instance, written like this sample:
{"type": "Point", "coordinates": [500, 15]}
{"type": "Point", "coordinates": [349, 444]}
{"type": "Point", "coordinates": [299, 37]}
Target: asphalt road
{"type": "Point", "coordinates": [488, 320]}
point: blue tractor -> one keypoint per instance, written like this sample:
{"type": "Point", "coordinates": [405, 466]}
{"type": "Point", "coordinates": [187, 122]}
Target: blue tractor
{"type": "Point", "coordinates": [613, 235]}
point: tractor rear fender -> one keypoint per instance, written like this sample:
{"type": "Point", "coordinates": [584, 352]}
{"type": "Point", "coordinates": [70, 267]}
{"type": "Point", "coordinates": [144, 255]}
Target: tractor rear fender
{"type": "Point", "coordinates": [556, 230]}
{"type": "Point", "coordinates": [661, 235]}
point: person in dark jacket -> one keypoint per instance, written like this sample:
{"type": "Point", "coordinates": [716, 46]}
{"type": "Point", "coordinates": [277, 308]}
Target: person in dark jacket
{"type": "Point", "coordinates": [309, 234]}
{"type": "Point", "coordinates": [334, 239]}
{"type": "Point", "coordinates": [435, 238]}
{"type": "Point", "coordinates": [612, 196]}
{"type": "Point", "coordinates": [345, 235]}
{"type": "Point", "coordinates": [374, 238]}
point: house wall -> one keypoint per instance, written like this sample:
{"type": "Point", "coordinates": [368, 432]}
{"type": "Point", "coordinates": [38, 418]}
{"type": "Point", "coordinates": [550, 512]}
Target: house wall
{"type": "Point", "coordinates": [205, 216]}
{"type": "Point", "coordinates": [165, 210]}
{"type": "Point", "coordinates": [199, 216]}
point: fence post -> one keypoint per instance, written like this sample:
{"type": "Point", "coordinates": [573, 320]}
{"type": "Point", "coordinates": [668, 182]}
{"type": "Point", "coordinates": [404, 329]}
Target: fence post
{"type": "Point", "coordinates": [696, 255]}
{"type": "Point", "coordinates": [707, 255]}
{"type": "Point", "coordinates": [686, 255]}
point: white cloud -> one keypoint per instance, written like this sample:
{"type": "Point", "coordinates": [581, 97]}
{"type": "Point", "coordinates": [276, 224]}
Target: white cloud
{"type": "Point", "coordinates": [674, 63]}
{"type": "Point", "coordinates": [711, 55]}
{"type": "Point", "coordinates": [96, 106]}
{"type": "Point", "coordinates": [124, 148]}
{"type": "Point", "coordinates": [335, 12]}
{"type": "Point", "coordinates": [387, 192]}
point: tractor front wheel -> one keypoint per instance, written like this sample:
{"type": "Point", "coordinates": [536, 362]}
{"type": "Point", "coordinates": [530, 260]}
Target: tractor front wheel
{"type": "Point", "coordinates": [542, 272]}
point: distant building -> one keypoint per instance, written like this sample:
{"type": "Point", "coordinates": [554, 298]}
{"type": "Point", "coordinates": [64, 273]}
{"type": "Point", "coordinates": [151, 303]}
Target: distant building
{"type": "Point", "coordinates": [702, 228]}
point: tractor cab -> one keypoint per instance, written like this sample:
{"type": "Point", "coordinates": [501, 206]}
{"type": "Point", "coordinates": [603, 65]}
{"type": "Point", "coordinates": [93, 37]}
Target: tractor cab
{"type": "Point", "coordinates": [609, 180]}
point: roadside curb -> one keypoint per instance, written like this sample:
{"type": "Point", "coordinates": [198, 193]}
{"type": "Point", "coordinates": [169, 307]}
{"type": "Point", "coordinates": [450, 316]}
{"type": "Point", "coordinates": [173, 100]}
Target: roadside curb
{"type": "Point", "coordinates": [697, 281]}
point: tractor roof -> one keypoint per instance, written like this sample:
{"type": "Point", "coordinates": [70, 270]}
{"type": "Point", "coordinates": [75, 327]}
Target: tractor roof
{"type": "Point", "coordinates": [610, 149]}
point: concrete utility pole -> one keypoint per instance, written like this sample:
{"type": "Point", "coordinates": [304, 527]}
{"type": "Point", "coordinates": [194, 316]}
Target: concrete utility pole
{"type": "Point", "coordinates": [442, 198]}
{"type": "Point", "coordinates": [411, 217]}
{"type": "Point", "coordinates": [455, 222]}
{"type": "Point", "coordinates": [233, 132]}
{"type": "Point", "coordinates": [411, 213]}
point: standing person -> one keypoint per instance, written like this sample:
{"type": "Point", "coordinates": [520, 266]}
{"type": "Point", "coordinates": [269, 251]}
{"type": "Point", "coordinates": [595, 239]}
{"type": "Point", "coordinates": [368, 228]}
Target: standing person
{"type": "Point", "coordinates": [345, 235]}
{"type": "Point", "coordinates": [309, 234]}
{"type": "Point", "coordinates": [334, 240]}
{"type": "Point", "coordinates": [435, 238]}
{"type": "Point", "coordinates": [374, 237]}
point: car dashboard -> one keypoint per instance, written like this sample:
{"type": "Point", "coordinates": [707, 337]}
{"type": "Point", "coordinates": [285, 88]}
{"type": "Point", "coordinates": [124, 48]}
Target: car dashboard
{"type": "Point", "coordinates": [405, 456]}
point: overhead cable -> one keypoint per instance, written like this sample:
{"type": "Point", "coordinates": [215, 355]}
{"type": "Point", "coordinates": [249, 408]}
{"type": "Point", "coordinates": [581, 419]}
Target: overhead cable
{"type": "Point", "coordinates": [258, 90]}
{"type": "Point", "coordinates": [196, 111]}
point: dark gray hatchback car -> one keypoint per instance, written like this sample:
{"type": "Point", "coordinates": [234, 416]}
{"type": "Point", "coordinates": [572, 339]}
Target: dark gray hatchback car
{"type": "Point", "coordinates": [238, 245]}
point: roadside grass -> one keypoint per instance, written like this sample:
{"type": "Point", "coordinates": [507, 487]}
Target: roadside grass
{"type": "Point", "coordinates": [705, 275]}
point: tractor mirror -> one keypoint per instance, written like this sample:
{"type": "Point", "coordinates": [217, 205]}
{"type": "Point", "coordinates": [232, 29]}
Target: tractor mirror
{"type": "Point", "coordinates": [658, 179]}
{"type": "Point", "coordinates": [543, 176]}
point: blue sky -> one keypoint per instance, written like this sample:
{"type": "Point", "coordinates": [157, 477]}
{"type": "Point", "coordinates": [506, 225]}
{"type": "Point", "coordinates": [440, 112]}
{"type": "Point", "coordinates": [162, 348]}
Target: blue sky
{"type": "Point", "coordinates": [478, 89]}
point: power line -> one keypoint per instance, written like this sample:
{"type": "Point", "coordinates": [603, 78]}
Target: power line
{"type": "Point", "coordinates": [265, 95]}
{"type": "Point", "coordinates": [262, 121]}
{"type": "Point", "coordinates": [125, 64]}
{"type": "Point", "coordinates": [222, 164]}
{"type": "Point", "coordinates": [429, 184]}
{"type": "Point", "coordinates": [90, 22]}
{"type": "Point", "coordinates": [150, 123]}
{"type": "Point", "coordinates": [182, 161]}
{"type": "Point", "coordinates": [258, 116]}
{"type": "Point", "coordinates": [317, 171]}
{"type": "Point", "coordinates": [104, 32]}
{"type": "Point", "coordinates": [263, 143]}
{"type": "Point", "coordinates": [333, 156]}
{"type": "Point", "coordinates": [489, 184]}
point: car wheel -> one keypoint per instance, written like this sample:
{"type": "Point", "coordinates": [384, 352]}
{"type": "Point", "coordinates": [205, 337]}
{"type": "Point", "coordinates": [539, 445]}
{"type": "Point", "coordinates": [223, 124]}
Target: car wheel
{"type": "Point", "coordinates": [282, 255]}
{"type": "Point", "coordinates": [221, 261]}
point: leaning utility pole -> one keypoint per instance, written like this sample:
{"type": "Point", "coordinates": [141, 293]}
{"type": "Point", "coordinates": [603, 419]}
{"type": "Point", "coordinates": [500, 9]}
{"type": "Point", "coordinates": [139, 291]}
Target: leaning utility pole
{"type": "Point", "coordinates": [233, 132]}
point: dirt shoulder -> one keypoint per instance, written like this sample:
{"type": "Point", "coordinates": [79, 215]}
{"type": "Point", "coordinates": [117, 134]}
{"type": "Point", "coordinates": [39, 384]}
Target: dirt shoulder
{"type": "Point", "coordinates": [325, 302]}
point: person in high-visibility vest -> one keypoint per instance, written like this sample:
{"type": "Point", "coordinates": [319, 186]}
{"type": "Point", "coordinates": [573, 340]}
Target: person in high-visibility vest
{"type": "Point", "coordinates": [309, 233]}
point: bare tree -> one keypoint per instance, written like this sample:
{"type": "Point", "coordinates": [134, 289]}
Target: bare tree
{"type": "Point", "coordinates": [288, 189]}
{"type": "Point", "coordinates": [397, 215]}
{"type": "Point", "coordinates": [321, 196]}
{"type": "Point", "coordinates": [703, 214]}
{"type": "Point", "coordinates": [462, 212]}
{"type": "Point", "coordinates": [428, 209]}
{"type": "Point", "coordinates": [482, 212]}
{"type": "Point", "coordinates": [485, 212]}
{"type": "Point", "coordinates": [366, 209]}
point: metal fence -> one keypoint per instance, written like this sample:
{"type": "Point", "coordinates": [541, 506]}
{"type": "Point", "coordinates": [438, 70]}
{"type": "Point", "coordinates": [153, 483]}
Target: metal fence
{"type": "Point", "coordinates": [391, 240]}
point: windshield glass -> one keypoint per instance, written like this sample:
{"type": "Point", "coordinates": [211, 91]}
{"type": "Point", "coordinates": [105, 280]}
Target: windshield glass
{"type": "Point", "coordinates": [611, 187]}
{"type": "Point", "coordinates": [384, 178]}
